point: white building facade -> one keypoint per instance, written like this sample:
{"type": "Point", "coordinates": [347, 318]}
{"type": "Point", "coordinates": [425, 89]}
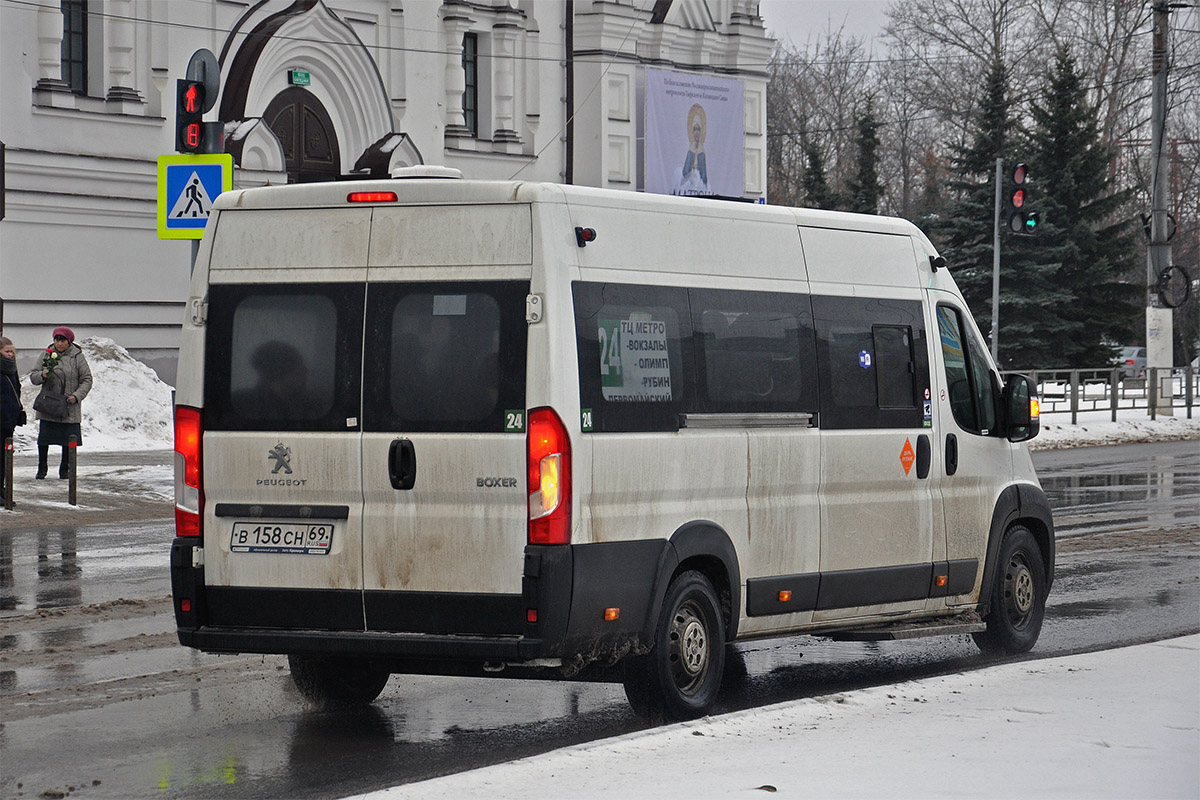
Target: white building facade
{"type": "Point", "coordinates": [545, 90]}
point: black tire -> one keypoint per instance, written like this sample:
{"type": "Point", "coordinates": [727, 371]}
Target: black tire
{"type": "Point", "coordinates": [337, 682]}
{"type": "Point", "coordinates": [681, 675]}
{"type": "Point", "coordinates": [1018, 601]}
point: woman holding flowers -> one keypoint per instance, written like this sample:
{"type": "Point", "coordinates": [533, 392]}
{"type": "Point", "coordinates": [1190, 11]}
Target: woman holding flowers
{"type": "Point", "coordinates": [64, 371]}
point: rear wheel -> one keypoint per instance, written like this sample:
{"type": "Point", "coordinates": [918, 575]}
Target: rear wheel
{"type": "Point", "coordinates": [337, 682]}
{"type": "Point", "coordinates": [1018, 601]}
{"type": "Point", "coordinates": [681, 675]}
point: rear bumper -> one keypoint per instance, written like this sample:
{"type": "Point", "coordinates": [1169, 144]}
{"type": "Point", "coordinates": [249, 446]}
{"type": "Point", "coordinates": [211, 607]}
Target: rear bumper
{"type": "Point", "coordinates": [363, 644]}
{"type": "Point", "coordinates": [569, 588]}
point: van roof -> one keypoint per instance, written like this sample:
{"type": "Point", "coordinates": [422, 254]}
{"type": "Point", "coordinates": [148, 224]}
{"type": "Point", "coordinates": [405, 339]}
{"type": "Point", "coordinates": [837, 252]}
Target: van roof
{"type": "Point", "coordinates": [335, 194]}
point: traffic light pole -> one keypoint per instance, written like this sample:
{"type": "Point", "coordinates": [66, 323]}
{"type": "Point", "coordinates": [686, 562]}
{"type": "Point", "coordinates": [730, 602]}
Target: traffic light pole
{"type": "Point", "coordinates": [996, 265]}
{"type": "Point", "coordinates": [1159, 333]}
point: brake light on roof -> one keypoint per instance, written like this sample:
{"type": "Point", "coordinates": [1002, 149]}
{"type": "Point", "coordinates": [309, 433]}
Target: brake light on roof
{"type": "Point", "coordinates": [548, 451]}
{"type": "Point", "coordinates": [371, 197]}
{"type": "Point", "coordinates": [189, 493]}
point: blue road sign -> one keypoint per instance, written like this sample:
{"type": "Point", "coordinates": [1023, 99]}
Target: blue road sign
{"type": "Point", "coordinates": [187, 187]}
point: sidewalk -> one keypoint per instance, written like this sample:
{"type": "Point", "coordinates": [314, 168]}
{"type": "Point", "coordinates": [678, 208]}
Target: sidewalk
{"type": "Point", "coordinates": [1113, 724]}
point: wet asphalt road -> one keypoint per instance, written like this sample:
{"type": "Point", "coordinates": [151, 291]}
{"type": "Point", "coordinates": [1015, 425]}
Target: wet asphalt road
{"type": "Point", "coordinates": [98, 700]}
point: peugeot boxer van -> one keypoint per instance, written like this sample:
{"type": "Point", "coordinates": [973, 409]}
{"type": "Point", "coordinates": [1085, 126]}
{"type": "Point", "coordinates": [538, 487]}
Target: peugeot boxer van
{"type": "Point", "coordinates": [432, 425]}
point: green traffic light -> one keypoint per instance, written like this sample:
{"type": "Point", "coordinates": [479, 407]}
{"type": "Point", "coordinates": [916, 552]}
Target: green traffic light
{"type": "Point", "coordinates": [1031, 222]}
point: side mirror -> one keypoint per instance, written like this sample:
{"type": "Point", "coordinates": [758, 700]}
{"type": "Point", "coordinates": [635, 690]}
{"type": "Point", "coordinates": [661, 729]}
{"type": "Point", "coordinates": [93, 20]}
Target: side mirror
{"type": "Point", "coordinates": [1022, 419]}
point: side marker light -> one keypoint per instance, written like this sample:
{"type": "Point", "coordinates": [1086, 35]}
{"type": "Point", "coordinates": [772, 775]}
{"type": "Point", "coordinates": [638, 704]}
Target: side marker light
{"type": "Point", "coordinates": [785, 595]}
{"type": "Point", "coordinates": [612, 614]}
{"type": "Point", "coordinates": [941, 581]}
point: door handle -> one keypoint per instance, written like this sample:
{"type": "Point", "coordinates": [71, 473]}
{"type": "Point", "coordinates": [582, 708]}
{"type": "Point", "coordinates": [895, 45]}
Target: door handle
{"type": "Point", "coordinates": [924, 456]}
{"type": "Point", "coordinates": [951, 454]}
{"type": "Point", "coordinates": [402, 464]}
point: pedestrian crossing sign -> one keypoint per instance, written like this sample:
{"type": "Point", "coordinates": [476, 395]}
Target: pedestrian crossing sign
{"type": "Point", "coordinates": [187, 187]}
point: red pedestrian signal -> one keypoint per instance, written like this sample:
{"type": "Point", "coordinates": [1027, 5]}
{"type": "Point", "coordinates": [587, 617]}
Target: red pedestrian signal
{"type": "Point", "coordinates": [189, 109]}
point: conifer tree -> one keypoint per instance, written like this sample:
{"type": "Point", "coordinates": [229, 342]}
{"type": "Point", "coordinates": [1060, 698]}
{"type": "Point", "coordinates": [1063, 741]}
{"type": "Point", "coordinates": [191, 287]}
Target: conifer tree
{"type": "Point", "coordinates": [817, 193]}
{"type": "Point", "coordinates": [1067, 302]}
{"type": "Point", "coordinates": [964, 230]}
{"type": "Point", "coordinates": [864, 188]}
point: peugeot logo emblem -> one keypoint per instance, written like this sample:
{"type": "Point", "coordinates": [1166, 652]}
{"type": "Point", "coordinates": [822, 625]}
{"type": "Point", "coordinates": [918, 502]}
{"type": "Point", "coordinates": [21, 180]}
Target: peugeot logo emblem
{"type": "Point", "coordinates": [282, 455]}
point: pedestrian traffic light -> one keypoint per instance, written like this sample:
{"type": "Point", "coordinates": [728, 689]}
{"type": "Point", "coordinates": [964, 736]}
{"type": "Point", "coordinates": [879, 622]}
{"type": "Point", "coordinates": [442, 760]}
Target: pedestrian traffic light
{"type": "Point", "coordinates": [1018, 217]}
{"type": "Point", "coordinates": [189, 109]}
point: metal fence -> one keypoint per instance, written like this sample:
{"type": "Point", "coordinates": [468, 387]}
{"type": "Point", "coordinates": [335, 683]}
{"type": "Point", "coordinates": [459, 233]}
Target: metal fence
{"type": "Point", "coordinates": [1070, 391]}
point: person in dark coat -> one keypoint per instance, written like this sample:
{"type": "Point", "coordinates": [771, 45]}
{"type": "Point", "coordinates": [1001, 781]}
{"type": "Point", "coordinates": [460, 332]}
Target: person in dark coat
{"type": "Point", "coordinates": [12, 413]}
{"type": "Point", "coordinates": [71, 376]}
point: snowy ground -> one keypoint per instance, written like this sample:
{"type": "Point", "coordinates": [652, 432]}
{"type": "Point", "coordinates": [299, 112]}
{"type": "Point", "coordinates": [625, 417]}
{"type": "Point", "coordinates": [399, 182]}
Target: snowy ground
{"type": "Point", "coordinates": [1114, 724]}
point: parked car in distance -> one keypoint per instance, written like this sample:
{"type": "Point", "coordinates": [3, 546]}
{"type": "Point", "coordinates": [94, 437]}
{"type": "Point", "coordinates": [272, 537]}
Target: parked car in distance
{"type": "Point", "coordinates": [1132, 361]}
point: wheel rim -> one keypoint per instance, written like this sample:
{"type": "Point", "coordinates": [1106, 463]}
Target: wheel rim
{"type": "Point", "coordinates": [689, 646]}
{"type": "Point", "coordinates": [1019, 591]}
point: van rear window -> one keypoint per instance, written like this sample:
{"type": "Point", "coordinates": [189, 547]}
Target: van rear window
{"type": "Point", "coordinates": [445, 357]}
{"type": "Point", "coordinates": [283, 357]}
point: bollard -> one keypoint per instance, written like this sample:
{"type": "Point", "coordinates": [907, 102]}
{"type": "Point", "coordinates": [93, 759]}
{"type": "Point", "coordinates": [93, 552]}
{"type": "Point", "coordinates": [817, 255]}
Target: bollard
{"type": "Point", "coordinates": [72, 495]}
{"type": "Point", "coordinates": [8, 473]}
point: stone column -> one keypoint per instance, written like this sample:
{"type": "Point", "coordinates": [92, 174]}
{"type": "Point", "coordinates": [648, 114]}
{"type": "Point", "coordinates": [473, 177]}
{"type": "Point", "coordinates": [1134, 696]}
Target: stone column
{"type": "Point", "coordinates": [50, 36]}
{"type": "Point", "coordinates": [122, 97]}
{"type": "Point", "coordinates": [456, 80]}
{"type": "Point", "coordinates": [504, 38]}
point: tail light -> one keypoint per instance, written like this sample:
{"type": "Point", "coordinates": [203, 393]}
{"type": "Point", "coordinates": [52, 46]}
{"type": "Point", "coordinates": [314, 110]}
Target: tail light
{"type": "Point", "coordinates": [189, 493]}
{"type": "Point", "coordinates": [549, 459]}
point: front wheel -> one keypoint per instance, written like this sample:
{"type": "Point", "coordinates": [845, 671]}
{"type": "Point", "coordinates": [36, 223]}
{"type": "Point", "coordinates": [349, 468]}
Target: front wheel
{"type": "Point", "coordinates": [337, 682]}
{"type": "Point", "coordinates": [681, 675]}
{"type": "Point", "coordinates": [1018, 601]}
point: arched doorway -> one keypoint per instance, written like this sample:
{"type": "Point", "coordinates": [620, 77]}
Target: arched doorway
{"type": "Point", "coordinates": [304, 128]}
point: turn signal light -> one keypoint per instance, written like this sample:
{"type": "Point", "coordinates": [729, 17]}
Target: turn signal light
{"type": "Point", "coordinates": [1035, 408]}
{"type": "Point", "coordinates": [612, 614]}
{"type": "Point", "coordinates": [785, 595]}
{"type": "Point", "coordinates": [940, 581]}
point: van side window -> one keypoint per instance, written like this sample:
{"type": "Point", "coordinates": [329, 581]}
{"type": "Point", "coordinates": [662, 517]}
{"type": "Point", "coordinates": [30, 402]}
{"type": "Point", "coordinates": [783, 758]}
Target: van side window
{"type": "Point", "coordinates": [895, 373]}
{"type": "Point", "coordinates": [444, 357]}
{"type": "Point", "coordinates": [755, 352]}
{"type": "Point", "coordinates": [632, 342]}
{"type": "Point", "coordinates": [970, 384]}
{"type": "Point", "coordinates": [873, 364]}
{"type": "Point", "coordinates": [282, 357]}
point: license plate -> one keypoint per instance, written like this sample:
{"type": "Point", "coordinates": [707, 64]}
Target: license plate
{"type": "Point", "coordinates": [300, 538]}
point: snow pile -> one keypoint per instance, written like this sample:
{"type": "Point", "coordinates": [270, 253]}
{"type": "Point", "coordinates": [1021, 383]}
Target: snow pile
{"type": "Point", "coordinates": [129, 407]}
{"type": "Point", "coordinates": [1117, 723]}
{"type": "Point", "coordinates": [1097, 428]}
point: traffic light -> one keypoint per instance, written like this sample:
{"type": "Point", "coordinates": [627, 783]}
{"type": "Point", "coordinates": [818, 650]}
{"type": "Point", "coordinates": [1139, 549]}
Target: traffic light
{"type": "Point", "coordinates": [1019, 219]}
{"type": "Point", "coordinates": [189, 109]}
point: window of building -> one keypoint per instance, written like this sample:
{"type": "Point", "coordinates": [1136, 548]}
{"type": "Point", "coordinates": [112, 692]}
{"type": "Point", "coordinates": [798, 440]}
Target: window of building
{"type": "Point", "coordinates": [75, 45]}
{"type": "Point", "coordinates": [471, 92]}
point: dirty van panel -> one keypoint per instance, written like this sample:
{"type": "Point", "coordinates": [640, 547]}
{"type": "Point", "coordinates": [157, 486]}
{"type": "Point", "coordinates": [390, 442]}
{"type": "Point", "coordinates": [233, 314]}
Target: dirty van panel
{"type": "Point", "coordinates": [859, 258]}
{"type": "Point", "coordinates": [260, 239]}
{"type": "Point", "coordinates": [281, 448]}
{"type": "Point", "coordinates": [477, 235]}
{"type": "Point", "coordinates": [880, 518]}
{"type": "Point", "coordinates": [443, 451]}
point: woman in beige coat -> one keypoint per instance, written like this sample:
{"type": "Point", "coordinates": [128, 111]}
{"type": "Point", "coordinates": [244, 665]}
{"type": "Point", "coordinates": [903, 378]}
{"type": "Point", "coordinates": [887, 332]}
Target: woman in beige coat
{"type": "Point", "coordinates": [73, 377]}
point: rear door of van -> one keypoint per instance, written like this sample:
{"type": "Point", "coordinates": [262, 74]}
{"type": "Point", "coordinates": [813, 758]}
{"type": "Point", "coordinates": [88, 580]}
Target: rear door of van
{"type": "Point", "coordinates": [281, 449]}
{"type": "Point", "coordinates": [444, 381]}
